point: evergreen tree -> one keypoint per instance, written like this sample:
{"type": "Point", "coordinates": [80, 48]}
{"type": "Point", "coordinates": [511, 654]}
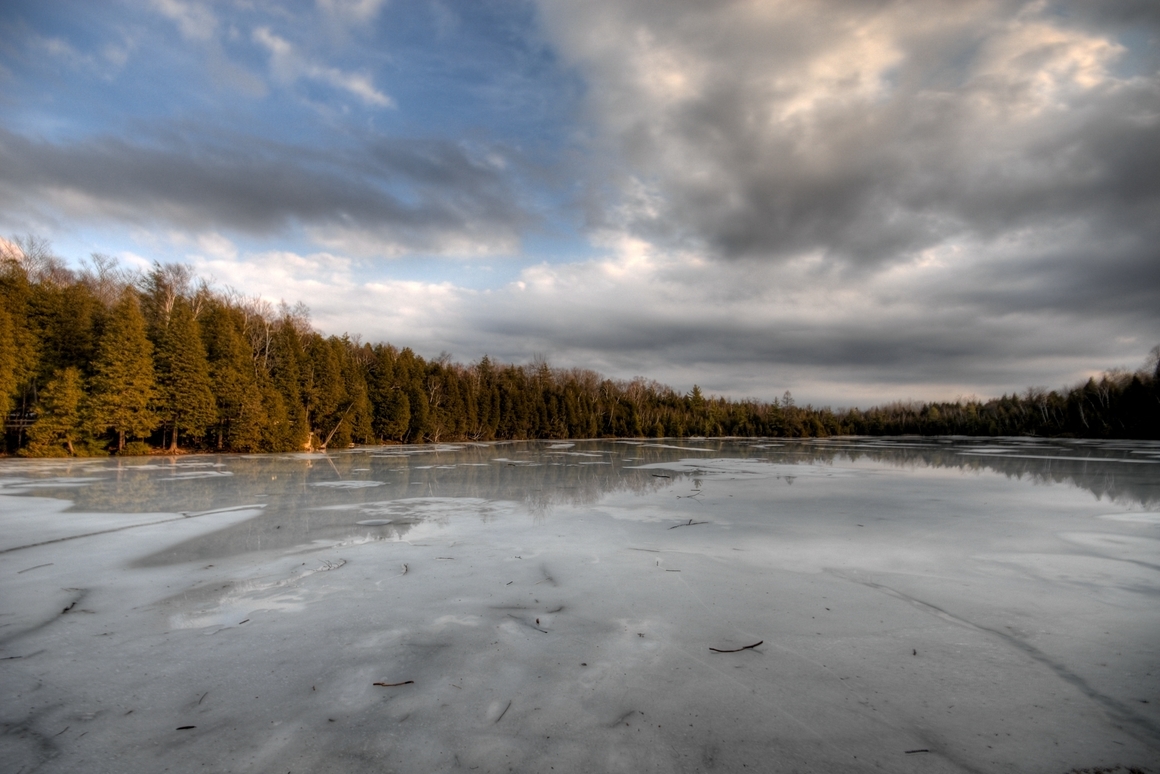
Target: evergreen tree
{"type": "Point", "coordinates": [392, 409]}
{"type": "Point", "coordinates": [395, 410]}
{"type": "Point", "coordinates": [123, 386]}
{"type": "Point", "coordinates": [410, 369]}
{"type": "Point", "coordinates": [16, 289]}
{"type": "Point", "coordinates": [489, 407]}
{"type": "Point", "coordinates": [325, 394]}
{"type": "Point", "coordinates": [241, 411]}
{"type": "Point", "coordinates": [7, 363]}
{"type": "Point", "coordinates": [278, 430]}
{"type": "Point", "coordinates": [359, 422]}
{"type": "Point", "coordinates": [59, 424]}
{"type": "Point", "coordinates": [185, 400]}
{"type": "Point", "coordinates": [287, 359]}
{"type": "Point", "coordinates": [66, 319]}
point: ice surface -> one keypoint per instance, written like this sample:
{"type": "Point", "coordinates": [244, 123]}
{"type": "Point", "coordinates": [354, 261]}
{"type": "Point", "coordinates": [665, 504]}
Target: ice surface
{"type": "Point", "coordinates": [933, 605]}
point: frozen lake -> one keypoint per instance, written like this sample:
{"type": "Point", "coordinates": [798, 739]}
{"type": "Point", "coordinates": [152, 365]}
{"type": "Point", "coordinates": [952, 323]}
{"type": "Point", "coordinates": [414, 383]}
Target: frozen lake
{"type": "Point", "coordinates": [925, 605]}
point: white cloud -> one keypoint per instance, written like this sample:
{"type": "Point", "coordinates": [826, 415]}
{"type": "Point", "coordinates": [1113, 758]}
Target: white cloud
{"type": "Point", "coordinates": [199, 25]}
{"type": "Point", "coordinates": [288, 65]}
{"type": "Point", "coordinates": [276, 274]}
{"type": "Point", "coordinates": [218, 247]}
{"type": "Point", "coordinates": [135, 261]}
{"type": "Point", "coordinates": [743, 328]}
{"type": "Point", "coordinates": [472, 239]}
{"type": "Point", "coordinates": [351, 11]}
{"type": "Point", "coordinates": [1033, 65]}
{"type": "Point", "coordinates": [195, 20]}
{"type": "Point", "coordinates": [106, 62]}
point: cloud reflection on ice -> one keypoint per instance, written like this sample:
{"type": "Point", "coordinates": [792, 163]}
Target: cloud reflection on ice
{"type": "Point", "coordinates": [907, 596]}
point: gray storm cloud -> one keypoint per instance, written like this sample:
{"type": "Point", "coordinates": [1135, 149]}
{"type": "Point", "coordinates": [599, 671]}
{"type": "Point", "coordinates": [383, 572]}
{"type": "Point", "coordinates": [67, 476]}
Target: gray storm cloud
{"type": "Point", "coordinates": [385, 196]}
{"type": "Point", "coordinates": [868, 133]}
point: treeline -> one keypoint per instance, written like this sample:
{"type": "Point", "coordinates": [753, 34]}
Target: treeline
{"type": "Point", "coordinates": [104, 360]}
{"type": "Point", "coordinates": [1119, 404]}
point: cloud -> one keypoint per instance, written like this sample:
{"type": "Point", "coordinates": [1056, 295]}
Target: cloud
{"type": "Point", "coordinates": [741, 328]}
{"type": "Point", "coordinates": [866, 131]}
{"type": "Point", "coordinates": [200, 26]}
{"type": "Point", "coordinates": [218, 247]}
{"type": "Point", "coordinates": [387, 197]}
{"type": "Point", "coordinates": [935, 194]}
{"type": "Point", "coordinates": [195, 20]}
{"type": "Point", "coordinates": [855, 201]}
{"type": "Point", "coordinates": [351, 11]}
{"type": "Point", "coordinates": [288, 65]}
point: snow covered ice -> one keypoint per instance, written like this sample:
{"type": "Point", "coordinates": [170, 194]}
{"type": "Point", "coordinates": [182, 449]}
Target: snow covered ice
{"type": "Point", "coordinates": [925, 605]}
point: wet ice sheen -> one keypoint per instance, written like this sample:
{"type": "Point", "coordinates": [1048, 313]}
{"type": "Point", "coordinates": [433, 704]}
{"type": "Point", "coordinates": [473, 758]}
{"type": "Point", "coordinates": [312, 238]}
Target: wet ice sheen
{"type": "Point", "coordinates": [993, 604]}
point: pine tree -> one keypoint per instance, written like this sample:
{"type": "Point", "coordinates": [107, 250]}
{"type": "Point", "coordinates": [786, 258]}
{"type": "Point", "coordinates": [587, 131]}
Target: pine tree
{"type": "Point", "coordinates": [123, 386]}
{"type": "Point", "coordinates": [7, 363]}
{"type": "Point", "coordinates": [287, 363]}
{"type": "Point", "coordinates": [278, 430]}
{"type": "Point", "coordinates": [66, 319]}
{"type": "Point", "coordinates": [59, 424]}
{"type": "Point", "coordinates": [21, 342]}
{"type": "Point", "coordinates": [186, 401]}
{"type": "Point", "coordinates": [410, 370]}
{"type": "Point", "coordinates": [381, 384]}
{"type": "Point", "coordinates": [395, 410]}
{"type": "Point", "coordinates": [241, 413]}
{"type": "Point", "coordinates": [325, 393]}
{"type": "Point", "coordinates": [356, 365]}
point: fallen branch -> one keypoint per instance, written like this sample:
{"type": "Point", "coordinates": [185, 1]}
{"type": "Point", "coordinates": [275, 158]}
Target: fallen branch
{"type": "Point", "coordinates": [335, 430]}
{"type": "Point", "coordinates": [395, 685]}
{"type": "Point", "coordinates": [737, 650]}
{"type": "Point", "coordinates": [689, 523]}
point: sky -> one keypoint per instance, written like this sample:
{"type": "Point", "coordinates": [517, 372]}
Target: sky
{"type": "Point", "coordinates": [859, 201]}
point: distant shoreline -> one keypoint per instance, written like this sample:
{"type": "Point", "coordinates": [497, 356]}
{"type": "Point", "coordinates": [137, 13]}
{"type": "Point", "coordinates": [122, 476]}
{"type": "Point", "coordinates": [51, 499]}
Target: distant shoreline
{"type": "Point", "coordinates": [107, 361]}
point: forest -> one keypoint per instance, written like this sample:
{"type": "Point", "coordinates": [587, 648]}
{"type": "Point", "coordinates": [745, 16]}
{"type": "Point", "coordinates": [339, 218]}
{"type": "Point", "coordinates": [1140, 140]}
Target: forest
{"type": "Point", "coordinates": [104, 360]}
